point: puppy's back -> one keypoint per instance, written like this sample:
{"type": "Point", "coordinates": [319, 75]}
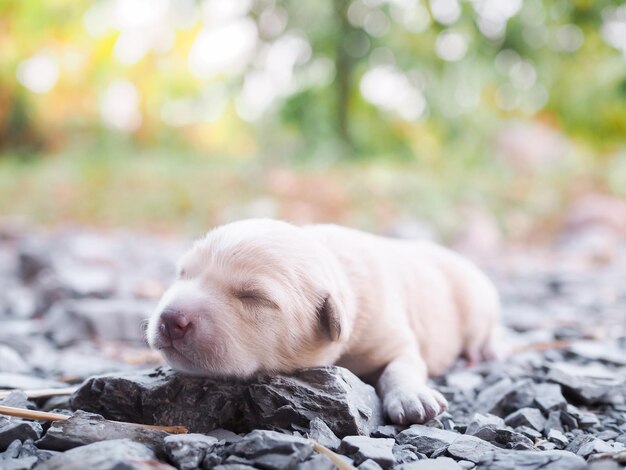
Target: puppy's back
{"type": "Point", "coordinates": [462, 313]}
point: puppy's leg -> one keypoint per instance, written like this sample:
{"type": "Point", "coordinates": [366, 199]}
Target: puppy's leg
{"type": "Point", "coordinates": [406, 397]}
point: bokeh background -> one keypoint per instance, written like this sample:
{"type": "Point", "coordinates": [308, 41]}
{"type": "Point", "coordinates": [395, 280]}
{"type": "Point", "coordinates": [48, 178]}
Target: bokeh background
{"type": "Point", "coordinates": [480, 122]}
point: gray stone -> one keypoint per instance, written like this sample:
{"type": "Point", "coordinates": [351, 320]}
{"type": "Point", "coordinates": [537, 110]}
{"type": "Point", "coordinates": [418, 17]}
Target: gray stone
{"type": "Point", "coordinates": [107, 455]}
{"type": "Point", "coordinates": [505, 396]}
{"type": "Point", "coordinates": [12, 451]}
{"type": "Point", "coordinates": [568, 420]}
{"type": "Point", "coordinates": [108, 319]}
{"type": "Point", "coordinates": [187, 451]}
{"type": "Point", "coordinates": [604, 464]}
{"type": "Point", "coordinates": [82, 282]}
{"type": "Point", "coordinates": [269, 449]}
{"type": "Point", "coordinates": [480, 420]}
{"type": "Point", "coordinates": [26, 382]}
{"type": "Point", "coordinates": [224, 435]}
{"type": "Point", "coordinates": [388, 430]}
{"type": "Point", "coordinates": [231, 466]}
{"type": "Point", "coordinates": [594, 446]}
{"type": "Point", "coordinates": [369, 465]}
{"type": "Point", "coordinates": [529, 432]}
{"type": "Point", "coordinates": [532, 460]}
{"type": "Point", "coordinates": [405, 453]}
{"type": "Point", "coordinates": [588, 385]}
{"type": "Point", "coordinates": [492, 429]}
{"type": "Point", "coordinates": [362, 448]}
{"type": "Point", "coordinates": [471, 448]}
{"type": "Point", "coordinates": [18, 399]}
{"type": "Point", "coordinates": [15, 428]}
{"type": "Point", "coordinates": [426, 440]}
{"type": "Point", "coordinates": [464, 380]}
{"type": "Point", "coordinates": [320, 462]}
{"type": "Point", "coordinates": [20, 451]}
{"type": "Point", "coordinates": [599, 351]}
{"type": "Point", "coordinates": [23, 463]}
{"type": "Point", "coordinates": [553, 422]}
{"type": "Point", "coordinates": [548, 397]}
{"type": "Point", "coordinates": [33, 258]}
{"type": "Point", "coordinates": [607, 435]}
{"type": "Point", "coordinates": [466, 464]}
{"type": "Point", "coordinates": [333, 394]}
{"type": "Point", "coordinates": [588, 420]}
{"type": "Point", "coordinates": [440, 463]}
{"type": "Point", "coordinates": [320, 432]}
{"type": "Point", "coordinates": [503, 437]}
{"type": "Point", "coordinates": [558, 438]}
{"type": "Point", "coordinates": [579, 441]}
{"type": "Point", "coordinates": [11, 361]}
{"type": "Point", "coordinates": [531, 417]}
{"type": "Point", "coordinates": [545, 445]}
{"type": "Point", "coordinates": [86, 428]}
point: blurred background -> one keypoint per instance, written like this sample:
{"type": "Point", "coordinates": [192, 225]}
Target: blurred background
{"type": "Point", "coordinates": [478, 122]}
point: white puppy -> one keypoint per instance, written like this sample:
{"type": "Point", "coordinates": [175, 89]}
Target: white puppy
{"type": "Point", "coordinates": [267, 296]}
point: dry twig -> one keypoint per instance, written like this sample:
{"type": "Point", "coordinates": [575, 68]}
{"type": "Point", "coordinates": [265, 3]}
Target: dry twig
{"type": "Point", "coordinates": [45, 416]}
{"type": "Point", "coordinates": [333, 457]}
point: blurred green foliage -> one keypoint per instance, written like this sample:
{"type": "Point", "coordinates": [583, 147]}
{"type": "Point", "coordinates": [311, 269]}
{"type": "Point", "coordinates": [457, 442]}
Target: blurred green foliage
{"type": "Point", "coordinates": [432, 84]}
{"type": "Point", "coordinates": [552, 59]}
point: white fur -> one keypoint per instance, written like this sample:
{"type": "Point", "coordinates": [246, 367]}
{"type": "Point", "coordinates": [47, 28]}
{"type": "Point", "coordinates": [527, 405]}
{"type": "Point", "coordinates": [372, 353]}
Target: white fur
{"type": "Point", "coordinates": [392, 311]}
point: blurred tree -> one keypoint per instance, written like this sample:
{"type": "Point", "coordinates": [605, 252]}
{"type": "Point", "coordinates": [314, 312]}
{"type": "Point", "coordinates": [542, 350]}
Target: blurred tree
{"type": "Point", "coordinates": [412, 78]}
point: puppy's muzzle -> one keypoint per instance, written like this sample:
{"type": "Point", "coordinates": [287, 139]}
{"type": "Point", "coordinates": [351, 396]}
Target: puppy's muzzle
{"type": "Point", "coordinates": [173, 325]}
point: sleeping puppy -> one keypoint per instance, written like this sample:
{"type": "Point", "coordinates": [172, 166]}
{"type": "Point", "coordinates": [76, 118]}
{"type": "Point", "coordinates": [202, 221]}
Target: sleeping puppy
{"type": "Point", "coordinates": [264, 296]}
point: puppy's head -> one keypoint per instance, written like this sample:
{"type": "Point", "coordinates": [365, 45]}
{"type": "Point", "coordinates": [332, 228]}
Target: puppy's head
{"type": "Point", "coordinates": [252, 296]}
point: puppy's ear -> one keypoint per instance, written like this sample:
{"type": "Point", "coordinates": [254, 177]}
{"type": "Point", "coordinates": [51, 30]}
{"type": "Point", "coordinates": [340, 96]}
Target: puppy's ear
{"type": "Point", "coordinates": [331, 318]}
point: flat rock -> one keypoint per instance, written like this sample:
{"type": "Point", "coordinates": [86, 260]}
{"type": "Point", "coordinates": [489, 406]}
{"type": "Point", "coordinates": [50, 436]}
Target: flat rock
{"type": "Point", "coordinates": [26, 382]}
{"type": "Point", "coordinates": [15, 428]}
{"type": "Point", "coordinates": [440, 463]}
{"type": "Point", "coordinates": [503, 437]}
{"type": "Point", "coordinates": [23, 455]}
{"type": "Point", "coordinates": [471, 448]}
{"type": "Point", "coordinates": [480, 420]}
{"type": "Point", "coordinates": [505, 396]}
{"type": "Point", "coordinates": [362, 448]}
{"type": "Point", "coordinates": [86, 428]}
{"type": "Point", "coordinates": [532, 460]}
{"type": "Point", "coordinates": [269, 450]}
{"type": "Point", "coordinates": [22, 463]}
{"type": "Point", "coordinates": [33, 258]}
{"type": "Point", "coordinates": [548, 397]}
{"type": "Point", "coordinates": [122, 454]}
{"type": "Point", "coordinates": [317, 462]}
{"type": "Point", "coordinates": [558, 438]}
{"type": "Point", "coordinates": [109, 319]}
{"type": "Point", "coordinates": [427, 440]}
{"type": "Point", "coordinates": [367, 465]}
{"type": "Point", "coordinates": [589, 385]}
{"type": "Point", "coordinates": [405, 453]}
{"type": "Point", "coordinates": [320, 432]}
{"type": "Point", "coordinates": [333, 394]}
{"type": "Point", "coordinates": [11, 361]}
{"type": "Point", "coordinates": [18, 399]}
{"type": "Point", "coordinates": [531, 417]}
{"type": "Point", "coordinates": [188, 451]}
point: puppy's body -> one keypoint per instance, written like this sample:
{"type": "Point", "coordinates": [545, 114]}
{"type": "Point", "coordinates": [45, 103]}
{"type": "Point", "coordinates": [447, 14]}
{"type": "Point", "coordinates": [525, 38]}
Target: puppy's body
{"type": "Point", "coordinates": [266, 296]}
{"type": "Point", "coordinates": [410, 294]}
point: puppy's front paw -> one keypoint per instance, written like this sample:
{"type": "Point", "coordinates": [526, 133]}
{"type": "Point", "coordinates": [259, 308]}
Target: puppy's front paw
{"type": "Point", "coordinates": [414, 406]}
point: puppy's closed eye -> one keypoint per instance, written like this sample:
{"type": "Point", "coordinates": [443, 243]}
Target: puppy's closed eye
{"type": "Point", "coordinates": [254, 298]}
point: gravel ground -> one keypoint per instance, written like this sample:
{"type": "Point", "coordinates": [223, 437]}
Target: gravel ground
{"type": "Point", "coordinates": [71, 307]}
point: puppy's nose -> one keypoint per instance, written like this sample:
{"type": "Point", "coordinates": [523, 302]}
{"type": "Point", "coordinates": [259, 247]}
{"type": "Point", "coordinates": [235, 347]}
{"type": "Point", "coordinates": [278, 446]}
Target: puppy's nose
{"type": "Point", "coordinates": [174, 324]}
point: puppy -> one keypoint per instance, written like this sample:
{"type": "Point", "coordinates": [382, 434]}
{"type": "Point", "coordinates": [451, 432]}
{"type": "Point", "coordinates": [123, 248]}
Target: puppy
{"type": "Point", "coordinates": [266, 296]}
